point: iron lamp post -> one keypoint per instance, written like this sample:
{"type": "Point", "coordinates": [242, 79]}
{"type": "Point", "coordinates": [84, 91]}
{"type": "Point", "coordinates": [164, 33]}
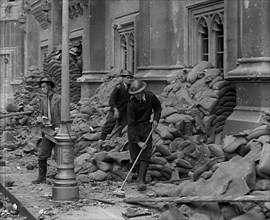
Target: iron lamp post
{"type": "Point", "coordinates": [65, 187]}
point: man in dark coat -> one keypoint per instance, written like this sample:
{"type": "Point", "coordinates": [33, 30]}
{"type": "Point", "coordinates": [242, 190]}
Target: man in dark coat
{"type": "Point", "coordinates": [139, 111]}
{"type": "Point", "coordinates": [51, 109]}
{"type": "Point", "coordinates": [118, 106]}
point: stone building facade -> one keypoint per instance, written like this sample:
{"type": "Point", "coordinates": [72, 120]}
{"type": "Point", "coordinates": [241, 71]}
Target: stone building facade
{"type": "Point", "coordinates": [11, 49]}
{"type": "Point", "coordinates": [155, 38]}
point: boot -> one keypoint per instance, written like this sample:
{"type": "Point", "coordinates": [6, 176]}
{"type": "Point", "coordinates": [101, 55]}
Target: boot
{"type": "Point", "coordinates": [142, 174]}
{"type": "Point", "coordinates": [135, 172]}
{"type": "Point", "coordinates": [42, 170]}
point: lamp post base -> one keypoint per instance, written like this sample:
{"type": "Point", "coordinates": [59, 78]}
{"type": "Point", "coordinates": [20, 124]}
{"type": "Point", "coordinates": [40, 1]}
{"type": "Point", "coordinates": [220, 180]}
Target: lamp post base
{"type": "Point", "coordinates": [65, 186]}
{"type": "Point", "coordinates": [65, 193]}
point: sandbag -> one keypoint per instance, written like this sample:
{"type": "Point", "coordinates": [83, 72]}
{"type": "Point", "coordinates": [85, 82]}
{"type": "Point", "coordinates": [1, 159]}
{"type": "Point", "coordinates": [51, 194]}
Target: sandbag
{"type": "Point", "coordinates": [257, 132]}
{"type": "Point", "coordinates": [197, 86]}
{"type": "Point", "coordinates": [208, 103]}
{"type": "Point", "coordinates": [174, 145]}
{"type": "Point", "coordinates": [220, 84]}
{"type": "Point", "coordinates": [218, 119]}
{"type": "Point", "coordinates": [193, 74]}
{"type": "Point", "coordinates": [182, 170]}
{"type": "Point", "coordinates": [164, 132]}
{"type": "Point", "coordinates": [165, 168]}
{"type": "Point", "coordinates": [207, 122]}
{"type": "Point", "coordinates": [99, 175]}
{"type": "Point", "coordinates": [216, 150]}
{"type": "Point", "coordinates": [172, 157]}
{"type": "Point", "coordinates": [80, 160]}
{"type": "Point", "coordinates": [211, 74]}
{"type": "Point", "coordinates": [224, 90]}
{"type": "Point", "coordinates": [91, 136]}
{"type": "Point", "coordinates": [264, 164]}
{"type": "Point", "coordinates": [104, 166]}
{"type": "Point", "coordinates": [174, 118]}
{"type": "Point", "coordinates": [229, 104]}
{"type": "Point", "coordinates": [223, 109]}
{"type": "Point", "coordinates": [183, 163]}
{"type": "Point", "coordinates": [218, 78]}
{"type": "Point", "coordinates": [231, 143]}
{"type": "Point", "coordinates": [163, 149]}
{"type": "Point", "coordinates": [251, 215]}
{"type": "Point", "coordinates": [158, 160]}
{"type": "Point", "coordinates": [175, 132]}
{"type": "Point", "coordinates": [167, 112]}
{"type": "Point", "coordinates": [154, 174]}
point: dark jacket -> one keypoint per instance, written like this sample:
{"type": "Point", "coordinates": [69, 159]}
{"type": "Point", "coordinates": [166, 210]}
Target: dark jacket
{"type": "Point", "coordinates": [55, 102]}
{"type": "Point", "coordinates": [119, 98]}
{"type": "Point", "coordinates": [139, 114]}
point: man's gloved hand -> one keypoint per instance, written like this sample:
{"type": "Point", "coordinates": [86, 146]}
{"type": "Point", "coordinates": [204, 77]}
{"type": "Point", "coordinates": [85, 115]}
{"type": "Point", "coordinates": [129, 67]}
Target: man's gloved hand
{"type": "Point", "coordinates": [116, 112]}
{"type": "Point", "coordinates": [142, 145]}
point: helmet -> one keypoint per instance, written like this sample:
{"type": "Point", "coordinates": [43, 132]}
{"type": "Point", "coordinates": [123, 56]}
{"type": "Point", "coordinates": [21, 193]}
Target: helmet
{"type": "Point", "coordinates": [47, 80]}
{"type": "Point", "coordinates": [124, 73]}
{"type": "Point", "coordinates": [136, 87]}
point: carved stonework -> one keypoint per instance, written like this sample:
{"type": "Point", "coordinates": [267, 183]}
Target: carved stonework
{"type": "Point", "coordinates": [76, 7]}
{"type": "Point", "coordinates": [36, 9]}
{"type": "Point", "coordinates": [40, 16]}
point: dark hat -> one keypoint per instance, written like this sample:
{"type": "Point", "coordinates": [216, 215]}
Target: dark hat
{"type": "Point", "coordinates": [124, 73]}
{"type": "Point", "coordinates": [136, 87]}
{"type": "Point", "coordinates": [47, 80]}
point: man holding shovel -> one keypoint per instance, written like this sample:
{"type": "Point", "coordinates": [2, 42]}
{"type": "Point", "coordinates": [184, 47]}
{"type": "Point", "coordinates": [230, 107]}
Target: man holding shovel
{"type": "Point", "coordinates": [139, 111]}
{"type": "Point", "coordinates": [118, 106]}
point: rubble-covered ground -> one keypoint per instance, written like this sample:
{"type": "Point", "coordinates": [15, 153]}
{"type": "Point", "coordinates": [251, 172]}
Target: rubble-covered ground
{"type": "Point", "coordinates": [191, 157]}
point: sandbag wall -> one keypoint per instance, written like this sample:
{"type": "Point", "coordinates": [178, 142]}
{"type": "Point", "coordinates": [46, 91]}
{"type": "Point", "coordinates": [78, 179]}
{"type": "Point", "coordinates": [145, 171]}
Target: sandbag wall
{"type": "Point", "coordinates": [52, 67]}
{"type": "Point", "coordinates": [182, 129]}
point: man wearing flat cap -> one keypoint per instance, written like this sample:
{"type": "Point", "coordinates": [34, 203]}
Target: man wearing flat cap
{"type": "Point", "coordinates": [51, 111]}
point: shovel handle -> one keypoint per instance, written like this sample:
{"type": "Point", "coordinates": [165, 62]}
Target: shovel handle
{"type": "Point", "coordinates": [133, 165]}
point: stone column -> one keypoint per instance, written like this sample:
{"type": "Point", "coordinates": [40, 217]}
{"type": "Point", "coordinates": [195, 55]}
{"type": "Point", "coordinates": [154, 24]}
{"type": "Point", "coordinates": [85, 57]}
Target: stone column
{"type": "Point", "coordinates": [93, 49]}
{"type": "Point", "coordinates": [55, 27]}
{"type": "Point", "coordinates": [252, 76]}
{"type": "Point", "coordinates": [155, 42]}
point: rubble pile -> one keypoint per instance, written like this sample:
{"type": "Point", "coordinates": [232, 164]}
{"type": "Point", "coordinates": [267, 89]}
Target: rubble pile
{"type": "Point", "coordinates": [195, 106]}
{"type": "Point", "coordinates": [28, 95]}
{"type": "Point", "coordinates": [245, 173]}
{"type": "Point", "coordinates": [188, 145]}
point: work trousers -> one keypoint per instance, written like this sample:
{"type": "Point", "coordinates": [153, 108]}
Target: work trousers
{"type": "Point", "coordinates": [143, 131]}
{"type": "Point", "coordinates": [110, 123]}
{"type": "Point", "coordinates": [45, 148]}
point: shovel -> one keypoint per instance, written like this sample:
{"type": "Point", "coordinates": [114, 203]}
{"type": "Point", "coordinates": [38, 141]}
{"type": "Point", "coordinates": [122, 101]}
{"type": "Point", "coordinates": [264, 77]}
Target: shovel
{"type": "Point", "coordinates": [120, 192]}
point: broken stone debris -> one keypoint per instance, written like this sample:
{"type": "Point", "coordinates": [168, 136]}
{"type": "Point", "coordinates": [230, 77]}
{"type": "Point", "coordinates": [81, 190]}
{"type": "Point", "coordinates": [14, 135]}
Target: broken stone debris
{"type": "Point", "coordinates": [188, 142]}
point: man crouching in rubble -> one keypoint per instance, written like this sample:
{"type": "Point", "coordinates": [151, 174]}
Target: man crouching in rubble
{"type": "Point", "coordinates": [139, 112]}
{"type": "Point", "coordinates": [51, 109]}
{"type": "Point", "coordinates": [118, 106]}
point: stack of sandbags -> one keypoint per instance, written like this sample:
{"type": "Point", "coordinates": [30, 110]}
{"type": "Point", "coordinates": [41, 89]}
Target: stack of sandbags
{"type": "Point", "coordinates": [203, 94]}
{"type": "Point", "coordinates": [99, 166]}
{"type": "Point", "coordinates": [245, 172]}
{"type": "Point", "coordinates": [52, 67]}
{"type": "Point", "coordinates": [181, 130]}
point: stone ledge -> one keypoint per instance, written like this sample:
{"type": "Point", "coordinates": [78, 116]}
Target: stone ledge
{"type": "Point", "coordinates": [251, 68]}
